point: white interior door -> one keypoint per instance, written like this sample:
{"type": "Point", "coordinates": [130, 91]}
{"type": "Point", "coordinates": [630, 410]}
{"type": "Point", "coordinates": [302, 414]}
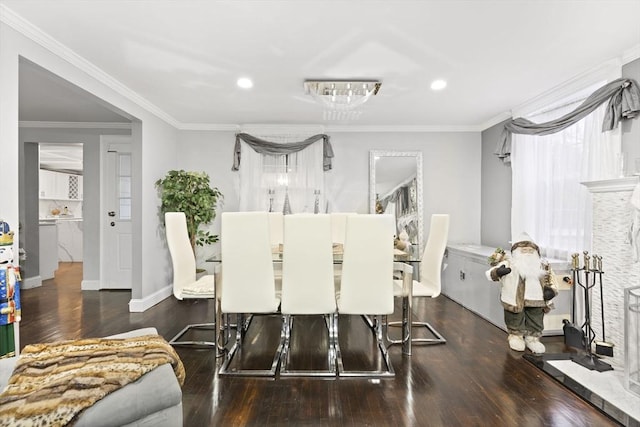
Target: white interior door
{"type": "Point", "coordinates": [116, 249]}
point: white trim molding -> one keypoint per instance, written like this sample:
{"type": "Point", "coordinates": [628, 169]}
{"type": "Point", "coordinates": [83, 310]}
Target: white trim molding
{"type": "Point", "coordinates": [627, 183]}
{"type": "Point", "coordinates": [32, 282]}
{"type": "Point", "coordinates": [90, 285]}
{"type": "Point", "coordinates": [74, 125]}
{"type": "Point", "coordinates": [608, 71]}
{"type": "Point", "coordinates": [631, 55]}
{"type": "Point", "coordinates": [34, 33]}
{"type": "Point", "coordinates": [139, 305]}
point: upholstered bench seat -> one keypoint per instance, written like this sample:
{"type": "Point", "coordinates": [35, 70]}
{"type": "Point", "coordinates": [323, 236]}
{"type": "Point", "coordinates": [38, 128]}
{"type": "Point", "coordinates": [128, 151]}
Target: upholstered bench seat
{"type": "Point", "coordinates": [153, 400]}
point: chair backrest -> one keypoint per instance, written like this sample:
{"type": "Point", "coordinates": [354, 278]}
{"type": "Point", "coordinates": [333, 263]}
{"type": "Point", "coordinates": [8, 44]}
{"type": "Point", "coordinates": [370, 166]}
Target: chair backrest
{"type": "Point", "coordinates": [366, 285]}
{"type": "Point", "coordinates": [182, 257]}
{"type": "Point", "coordinates": [431, 263]}
{"type": "Point", "coordinates": [339, 226]}
{"type": "Point", "coordinates": [276, 228]}
{"type": "Point", "coordinates": [307, 265]}
{"type": "Point", "coordinates": [248, 284]}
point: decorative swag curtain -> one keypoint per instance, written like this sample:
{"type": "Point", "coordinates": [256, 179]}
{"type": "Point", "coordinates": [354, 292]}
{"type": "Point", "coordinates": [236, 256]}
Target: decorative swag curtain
{"type": "Point", "coordinates": [273, 148]}
{"type": "Point", "coordinates": [624, 103]}
{"type": "Point", "coordinates": [282, 174]}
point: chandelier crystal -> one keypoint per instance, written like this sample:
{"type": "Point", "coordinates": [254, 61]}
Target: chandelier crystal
{"type": "Point", "coordinates": [341, 99]}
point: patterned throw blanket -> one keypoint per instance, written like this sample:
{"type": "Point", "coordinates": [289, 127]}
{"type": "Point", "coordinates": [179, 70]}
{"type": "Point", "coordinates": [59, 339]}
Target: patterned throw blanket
{"type": "Point", "coordinates": [53, 383]}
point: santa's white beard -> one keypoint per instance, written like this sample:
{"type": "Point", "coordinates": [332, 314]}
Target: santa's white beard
{"type": "Point", "coordinates": [527, 265]}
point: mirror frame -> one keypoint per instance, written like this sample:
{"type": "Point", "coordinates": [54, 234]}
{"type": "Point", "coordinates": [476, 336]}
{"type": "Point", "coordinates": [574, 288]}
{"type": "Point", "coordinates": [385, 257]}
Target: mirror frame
{"type": "Point", "coordinates": [372, 183]}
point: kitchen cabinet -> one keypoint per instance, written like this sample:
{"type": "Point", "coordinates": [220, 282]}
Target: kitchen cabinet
{"type": "Point", "coordinates": [48, 249]}
{"type": "Point", "coordinates": [70, 244]}
{"type": "Point", "coordinates": [464, 281]}
{"type": "Point", "coordinates": [60, 186]}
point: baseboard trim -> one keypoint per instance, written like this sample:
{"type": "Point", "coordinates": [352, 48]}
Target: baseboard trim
{"type": "Point", "coordinates": [90, 285]}
{"type": "Point", "coordinates": [139, 305]}
{"type": "Point", "coordinates": [32, 282]}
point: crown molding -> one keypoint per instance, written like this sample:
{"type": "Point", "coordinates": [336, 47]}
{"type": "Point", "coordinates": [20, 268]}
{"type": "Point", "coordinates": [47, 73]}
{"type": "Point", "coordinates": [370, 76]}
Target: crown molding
{"type": "Point", "coordinates": [608, 70]}
{"type": "Point", "coordinates": [402, 129]}
{"type": "Point", "coordinates": [631, 55]}
{"type": "Point", "coordinates": [209, 126]}
{"type": "Point", "coordinates": [38, 36]}
{"type": "Point", "coordinates": [314, 128]}
{"type": "Point", "coordinates": [74, 125]}
{"type": "Point", "coordinates": [495, 120]}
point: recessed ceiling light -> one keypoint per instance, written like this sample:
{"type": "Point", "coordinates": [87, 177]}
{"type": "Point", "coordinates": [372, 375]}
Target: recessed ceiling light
{"type": "Point", "coordinates": [245, 83]}
{"type": "Point", "coordinates": [438, 84]}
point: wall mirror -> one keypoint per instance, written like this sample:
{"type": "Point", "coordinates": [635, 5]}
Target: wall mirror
{"type": "Point", "coordinates": [395, 187]}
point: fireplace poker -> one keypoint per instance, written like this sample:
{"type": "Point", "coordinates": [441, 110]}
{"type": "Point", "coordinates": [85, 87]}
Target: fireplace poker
{"type": "Point", "coordinates": [603, 347]}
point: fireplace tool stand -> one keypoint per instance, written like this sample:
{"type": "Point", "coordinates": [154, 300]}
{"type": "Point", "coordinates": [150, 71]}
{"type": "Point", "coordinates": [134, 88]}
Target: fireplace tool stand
{"type": "Point", "coordinates": [585, 277]}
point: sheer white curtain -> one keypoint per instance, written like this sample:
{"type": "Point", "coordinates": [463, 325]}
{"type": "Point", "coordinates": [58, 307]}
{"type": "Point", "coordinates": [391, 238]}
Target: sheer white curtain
{"type": "Point", "coordinates": [548, 201]}
{"type": "Point", "coordinates": [264, 180]}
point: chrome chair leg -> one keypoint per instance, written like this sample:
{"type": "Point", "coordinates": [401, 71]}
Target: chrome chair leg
{"type": "Point", "coordinates": [386, 372]}
{"type": "Point", "coordinates": [226, 370]}
{"type": "Point", "coordinates": [200, 343]}
{"type": "Point", "coordinates": [406, 332]}
{"type": "Point", "coordinates": [284, 365]}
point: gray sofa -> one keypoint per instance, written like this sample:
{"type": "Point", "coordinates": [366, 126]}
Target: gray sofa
{"type": "Point", "coordinates": [153, 400]}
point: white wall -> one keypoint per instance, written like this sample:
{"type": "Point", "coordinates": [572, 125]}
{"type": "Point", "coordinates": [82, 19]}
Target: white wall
{"type": "Point", "coordinates": [451, 172]}
{"type": "Point", "coordinates": [154, 148]}
{"type": "Point", "coordinates": [451, 165]}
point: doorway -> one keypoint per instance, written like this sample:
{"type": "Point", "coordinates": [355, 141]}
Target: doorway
{"type": "Point", "coordinates": [60, 206]}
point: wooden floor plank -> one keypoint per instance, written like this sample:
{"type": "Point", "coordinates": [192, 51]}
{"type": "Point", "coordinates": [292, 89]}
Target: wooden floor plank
{"type": "Point", "coordinates": [472, 380]}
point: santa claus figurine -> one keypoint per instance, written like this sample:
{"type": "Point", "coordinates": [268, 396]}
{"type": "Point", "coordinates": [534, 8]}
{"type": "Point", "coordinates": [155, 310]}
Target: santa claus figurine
{"type": "Point", "coordinates": [528, 286]}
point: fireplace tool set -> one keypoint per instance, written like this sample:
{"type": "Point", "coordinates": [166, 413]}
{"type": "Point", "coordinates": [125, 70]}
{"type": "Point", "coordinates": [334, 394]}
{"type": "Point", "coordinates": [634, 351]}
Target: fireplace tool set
{"type": "Point", "coordinates": [584, 336]}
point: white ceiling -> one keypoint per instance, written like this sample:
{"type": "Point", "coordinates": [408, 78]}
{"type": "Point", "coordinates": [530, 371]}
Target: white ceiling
{"type": "Point", "coordinates": [184, 57]}
{"type": "Point", "coordinates": [61, 157]}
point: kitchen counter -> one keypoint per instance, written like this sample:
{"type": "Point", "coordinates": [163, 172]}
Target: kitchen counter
{"type": "Point", "coordinates": [55, 219]}
{"type": "Point", "coordinates": [68, 237]}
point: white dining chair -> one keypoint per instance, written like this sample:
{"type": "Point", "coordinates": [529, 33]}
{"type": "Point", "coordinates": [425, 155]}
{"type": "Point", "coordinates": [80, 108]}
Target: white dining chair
{"type": "Point", "coordinates": [366, 285]}
{"type": "Point", "coordinates": [276, 229]}
{"type": "Point", "coordinates": [338, 232]}
{"type": "Point", "coordinates": [308, 282]}
{"type": "Point", "coordinates": [248, 283]}
{"type": "Point", "coordinates": [339, 226]}
{"type": "Point", "coordinates": [185, 284]}
{"type": "Point", "coordinates": [429, 284]}
{"type": "Point", "coordinates": [276, 235]}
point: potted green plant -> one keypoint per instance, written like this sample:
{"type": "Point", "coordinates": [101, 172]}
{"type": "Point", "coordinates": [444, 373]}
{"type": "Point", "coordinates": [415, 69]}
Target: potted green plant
{"type": "Point", "coordinates": [191, 193]}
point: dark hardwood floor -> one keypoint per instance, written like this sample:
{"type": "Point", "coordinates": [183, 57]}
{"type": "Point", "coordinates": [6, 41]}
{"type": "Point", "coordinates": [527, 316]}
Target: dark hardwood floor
{"type": "Point", "coordinates": [472, 380]}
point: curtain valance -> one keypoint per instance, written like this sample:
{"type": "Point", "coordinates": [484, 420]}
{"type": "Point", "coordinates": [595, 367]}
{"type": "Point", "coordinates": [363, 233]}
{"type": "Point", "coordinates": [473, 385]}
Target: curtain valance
{"type": "Point", "coordinates": [274, 148]}
{"type": "Point", "coordinates": [624, 103]}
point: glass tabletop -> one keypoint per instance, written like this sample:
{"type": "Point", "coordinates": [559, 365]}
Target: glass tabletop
{"type": "Point", "coordinates": [411, 254]}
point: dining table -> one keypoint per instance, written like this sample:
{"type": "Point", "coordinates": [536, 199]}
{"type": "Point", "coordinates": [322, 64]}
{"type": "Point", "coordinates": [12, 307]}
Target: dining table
{"type": "Point", "coordinates": [409, 256]}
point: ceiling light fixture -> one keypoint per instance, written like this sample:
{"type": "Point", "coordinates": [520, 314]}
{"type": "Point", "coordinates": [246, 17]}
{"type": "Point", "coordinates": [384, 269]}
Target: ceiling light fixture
{"type": "Point", "coordinates": [245, 83]}
{"type": "Point", "coordinates": [438, 84]}
{"type": "Point", "coordinates": [342, 98]}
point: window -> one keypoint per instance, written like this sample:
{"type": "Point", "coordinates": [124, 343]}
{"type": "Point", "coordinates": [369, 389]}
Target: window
{"type": "Point", "coordinates": [266, 181]}
{"type": "Point", "coordinates": [548, 200]}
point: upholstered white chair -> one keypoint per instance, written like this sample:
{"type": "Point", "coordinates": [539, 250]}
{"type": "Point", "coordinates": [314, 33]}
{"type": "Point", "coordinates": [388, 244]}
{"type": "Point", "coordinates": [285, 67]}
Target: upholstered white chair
{"type": "Point", "coordinates": [338, 233]}
{"type": "Point", "coordinates": [276, 235]}
{"type": "Point", "coordinates": [339, 226]}
{"type": "Point", "coordinates": [429, 285]}
{"type": "Point", "coordinates": [307, 281]}
{"type": "Point", "coordinates": [276, 229]}
{"type": "Point", "coordinates": [185, 284]}
{"type": "Point", "coordinates": [247, 280]}
{"type": "Point", "coordinates": [366, 286]}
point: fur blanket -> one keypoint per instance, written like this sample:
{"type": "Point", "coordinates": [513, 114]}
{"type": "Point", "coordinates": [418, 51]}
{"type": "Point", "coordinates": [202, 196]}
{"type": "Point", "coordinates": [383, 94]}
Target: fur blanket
{"type": "Point", "coordinates": [52, 383]}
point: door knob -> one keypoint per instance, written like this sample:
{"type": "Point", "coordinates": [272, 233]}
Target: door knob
{"type": "Point", "coordinates": [113, 224]}
{"type": "Point", "coordinates": [111, 213]}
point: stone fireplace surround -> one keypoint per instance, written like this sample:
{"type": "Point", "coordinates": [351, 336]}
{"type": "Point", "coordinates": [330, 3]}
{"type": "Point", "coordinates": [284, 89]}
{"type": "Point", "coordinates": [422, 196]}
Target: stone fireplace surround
{"type": "Point", "coordinates": [612, 216]}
